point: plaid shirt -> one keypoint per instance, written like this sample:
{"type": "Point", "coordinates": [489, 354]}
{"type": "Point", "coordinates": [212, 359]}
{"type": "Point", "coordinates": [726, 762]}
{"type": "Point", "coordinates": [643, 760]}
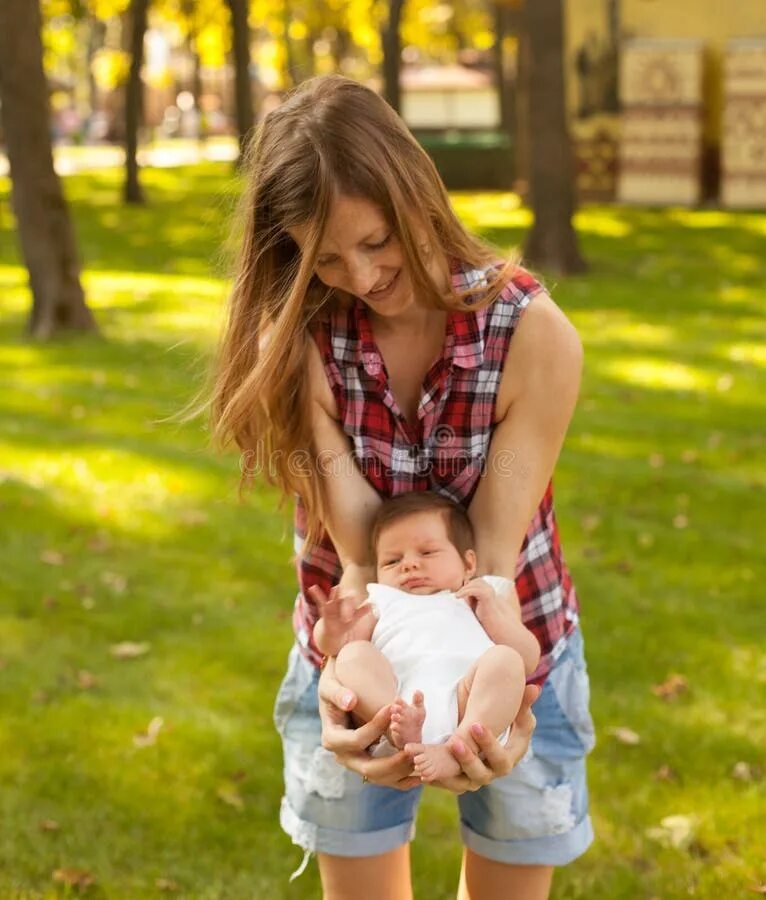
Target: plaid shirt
{"type": "Point", "coordinates": [444, 452]}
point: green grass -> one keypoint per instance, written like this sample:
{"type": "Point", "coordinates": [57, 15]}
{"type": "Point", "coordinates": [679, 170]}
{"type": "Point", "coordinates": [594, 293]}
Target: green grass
{"type": "Point", "coordinates": [659, 496]}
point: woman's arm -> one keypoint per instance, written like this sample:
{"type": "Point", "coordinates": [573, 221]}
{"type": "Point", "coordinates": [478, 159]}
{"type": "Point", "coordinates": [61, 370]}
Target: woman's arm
{"type": "Point", "coordinates": [536, 400]}
{"type": "Point", "coordinates": [351, 504]}
{"type": "Point", "coordinates": [350, 500]}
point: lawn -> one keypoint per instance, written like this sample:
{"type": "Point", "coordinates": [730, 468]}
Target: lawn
{"type": "Point", "coordinates": [159, 774]}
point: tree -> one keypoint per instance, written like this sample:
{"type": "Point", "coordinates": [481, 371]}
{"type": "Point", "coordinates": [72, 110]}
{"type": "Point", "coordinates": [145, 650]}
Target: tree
{"type": "Point", "coordinates": [552, 241]}
{"type": "Point", "coordinates": [240, 33]}
{"type": "Point", "coordinates": [139, 10]}
{"type": "Point", "coordinates": [392, 54]}
{"type": "Point", "coordinates": [46, 234]}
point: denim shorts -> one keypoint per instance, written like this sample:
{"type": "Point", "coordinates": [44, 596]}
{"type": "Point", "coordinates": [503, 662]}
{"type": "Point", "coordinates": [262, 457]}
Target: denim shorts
{"type": "Point", "coordinates": [535, 815]}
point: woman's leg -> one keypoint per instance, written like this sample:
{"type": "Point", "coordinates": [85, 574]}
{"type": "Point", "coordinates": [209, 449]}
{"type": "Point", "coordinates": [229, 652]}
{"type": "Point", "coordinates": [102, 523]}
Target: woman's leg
{"type": "Point", "coordinates": [485, 879]}
{"type": "Point", "coordinates": [384, 877]}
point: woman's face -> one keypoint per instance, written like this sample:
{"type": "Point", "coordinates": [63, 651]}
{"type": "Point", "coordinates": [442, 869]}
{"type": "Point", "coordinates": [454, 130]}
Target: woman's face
{"type": "Point", "coordinates": [360, 254]}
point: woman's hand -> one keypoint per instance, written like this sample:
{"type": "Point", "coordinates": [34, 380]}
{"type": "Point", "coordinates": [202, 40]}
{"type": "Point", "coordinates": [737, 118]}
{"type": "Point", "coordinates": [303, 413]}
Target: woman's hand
{"type": "Point", "coordinates": [350, 744]}
{"type": "Point", "coordinates": [498, 759]}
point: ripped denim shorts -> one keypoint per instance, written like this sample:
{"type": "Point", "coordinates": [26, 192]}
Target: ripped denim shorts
{"type": "Point", "coordinates": [536, 815]}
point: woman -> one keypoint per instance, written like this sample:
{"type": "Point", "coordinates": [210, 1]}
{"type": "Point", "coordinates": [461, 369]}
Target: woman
{"type": "Point", "coordinates": [374, 347]}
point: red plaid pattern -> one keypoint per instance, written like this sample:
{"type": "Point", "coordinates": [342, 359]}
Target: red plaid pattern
{"type": "Point", "coordinates": [445, 452]}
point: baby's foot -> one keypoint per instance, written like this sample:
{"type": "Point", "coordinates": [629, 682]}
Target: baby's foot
{"type": "Point", "coordinates": [407, 720]}
{"type": "Point", "coordinates": [433, 762]}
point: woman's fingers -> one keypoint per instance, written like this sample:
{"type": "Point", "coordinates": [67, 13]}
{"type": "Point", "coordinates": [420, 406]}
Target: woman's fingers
{"type": "Point", "coordinates": [498, 760]}
{"type": "Point", "coordinates": [390, 771]}
{"type": "Point", "coordinates": [333, 692]}
{"type": "Point", "coordinates": [356, 740]}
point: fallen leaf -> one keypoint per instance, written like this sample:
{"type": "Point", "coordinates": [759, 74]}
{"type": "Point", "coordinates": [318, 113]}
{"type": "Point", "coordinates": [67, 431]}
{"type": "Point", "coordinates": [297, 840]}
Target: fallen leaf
{"type": "Point", "coordinates": [665, 773]}
{"type": "Point", "coordinates": [689, 456]}
{"type": "Point", "coordinates": [3, 664]}
{"type": "Point", "coordinates": [52, 557]}
{"type": "Point", "coordinates": [229, 794]}
{"type": "Point", "coordinates": [149, 737]}
{"type": "Point", "coordinates": [129, 650]}
{"type": "Point", "coordinates": [49, 825]}
{"type": "Point", "coordinates": [675, 831]}
{"type": "Point", "coordinates": [166, 884]}
{"type": "Point", "coordinates": [672, 687]}
{"type": "Point", "coordinates": [193, 517]}
{"type": "Point", "coordinates": [680, 521]}
{"type": "Point", "coordinates": [624, 735]}
{"type": "Point", "coordinates": [656, 460]}
{"type": "Point", "coordinates": [757, 888]}
{"type": "Point", "coordinates": [624, 566]}
{"type": "Point", "coordinates": [590, 523]}
{"type": "Point", "coordinates": [88, 603]}
{"type": "Point", "coordinates": [50, 602]}
{"type": "Point", "coordinates": [41, 697]}
{"type": "Point", "coordinates": [591, 552]}
{"type": "Point", "coordinates": [724, 383]}
{"type": "Point", "coordinates": [85, 680]}
{"type": "Point", "coordinates": [76, 878]}
{"type": "Point", "coordinates": [743, 771]}
{"type": "Point", "coordinates": [99, 543]}
{"type": "Point", "coordinates": [118, 583]}
{"type": "Point", "coordinates": [714, 439]}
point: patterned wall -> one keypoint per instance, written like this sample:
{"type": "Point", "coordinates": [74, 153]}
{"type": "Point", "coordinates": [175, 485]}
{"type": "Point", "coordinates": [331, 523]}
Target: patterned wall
{"type": "Point", "coordinates": [743, 145]}
{"type": "Point", "coordinates": [660, 157]}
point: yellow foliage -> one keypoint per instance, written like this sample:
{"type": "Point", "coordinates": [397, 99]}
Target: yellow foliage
{"type": "Point", "coordinates": [298, 30]}
{"type": "Point", "coordinates": [110, 68]}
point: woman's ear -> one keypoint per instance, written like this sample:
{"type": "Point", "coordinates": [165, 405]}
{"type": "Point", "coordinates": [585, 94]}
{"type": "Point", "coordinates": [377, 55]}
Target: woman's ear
{"type": "Point", "coordinates": [469, 558]}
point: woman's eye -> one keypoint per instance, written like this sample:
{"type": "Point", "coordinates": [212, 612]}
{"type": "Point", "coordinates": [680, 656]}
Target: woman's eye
{"type": "Point", "coordinates": [381, 244]}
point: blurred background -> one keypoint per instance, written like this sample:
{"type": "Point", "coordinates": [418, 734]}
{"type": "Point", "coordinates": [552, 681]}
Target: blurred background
{"type": "Point", "coordinates": [145, 608]}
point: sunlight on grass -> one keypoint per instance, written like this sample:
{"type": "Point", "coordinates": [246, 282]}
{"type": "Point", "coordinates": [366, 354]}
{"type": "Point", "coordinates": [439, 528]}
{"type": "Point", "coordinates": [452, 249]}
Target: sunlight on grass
{"type": "Point", "coordinates": [659, 375]}
{"type": "Point", "coordinates": [601, 221]}
{"type": "Point", "coordinates": [120, 526]}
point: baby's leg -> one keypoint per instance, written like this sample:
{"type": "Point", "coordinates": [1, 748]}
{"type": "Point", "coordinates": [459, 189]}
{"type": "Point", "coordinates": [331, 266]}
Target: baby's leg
{"type": "Point", "coordinates": [491, 694]}
{"type": "Point", "coordinates": [368, 673]}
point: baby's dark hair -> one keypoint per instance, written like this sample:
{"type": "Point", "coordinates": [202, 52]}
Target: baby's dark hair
{"type": "Point", "coordinates": [459, 528]}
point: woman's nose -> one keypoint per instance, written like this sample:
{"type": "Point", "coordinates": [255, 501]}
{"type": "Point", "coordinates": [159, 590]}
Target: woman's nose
{"type": "Point", "coordinates": [362, 277]}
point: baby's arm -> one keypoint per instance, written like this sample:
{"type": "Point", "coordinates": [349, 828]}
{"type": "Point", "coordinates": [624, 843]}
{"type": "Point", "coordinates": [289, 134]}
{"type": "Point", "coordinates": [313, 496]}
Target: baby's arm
{"type": "Point", "coordinates": [497, 608]}
{"type": "Point", "coordinates": [336, 626]}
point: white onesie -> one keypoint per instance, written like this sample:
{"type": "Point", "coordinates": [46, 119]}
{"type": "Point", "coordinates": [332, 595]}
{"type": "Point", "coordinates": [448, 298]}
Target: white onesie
{"type": "Point", "coordinates": [431, 641]}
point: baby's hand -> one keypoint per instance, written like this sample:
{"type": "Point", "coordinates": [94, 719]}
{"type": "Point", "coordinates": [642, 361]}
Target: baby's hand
{"type": "Point", "coordinates": [337, 612]}
{"type": "Point", "coordinates": [484, 600]}
{"type": "Point", "coordinates": [477, 591]}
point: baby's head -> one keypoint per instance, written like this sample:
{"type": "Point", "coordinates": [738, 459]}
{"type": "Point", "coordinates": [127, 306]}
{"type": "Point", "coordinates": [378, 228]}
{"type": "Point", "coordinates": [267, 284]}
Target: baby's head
{"type": "Point", "coordinates": [423, 543]}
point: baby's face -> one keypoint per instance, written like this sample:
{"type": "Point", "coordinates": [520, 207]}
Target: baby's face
{"type": "Point", "coordinates": [416, 555]}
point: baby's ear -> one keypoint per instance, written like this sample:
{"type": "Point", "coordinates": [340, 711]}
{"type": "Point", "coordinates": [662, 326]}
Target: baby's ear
{"type": "Point", "coordinates": [470, 563]}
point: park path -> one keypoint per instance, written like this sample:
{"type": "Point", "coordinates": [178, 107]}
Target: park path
{"type": "Point", "coordinates": [69, 160]}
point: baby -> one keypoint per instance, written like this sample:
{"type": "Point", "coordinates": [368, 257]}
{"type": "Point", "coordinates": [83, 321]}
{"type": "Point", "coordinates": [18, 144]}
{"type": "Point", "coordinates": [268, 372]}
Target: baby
{"type": "Point", "coordinates": [432, 631]}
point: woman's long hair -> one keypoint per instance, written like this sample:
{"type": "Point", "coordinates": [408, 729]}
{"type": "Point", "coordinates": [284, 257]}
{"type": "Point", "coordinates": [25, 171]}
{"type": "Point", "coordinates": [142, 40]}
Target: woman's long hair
{"type": "Point", "coordinates": [332, 136]}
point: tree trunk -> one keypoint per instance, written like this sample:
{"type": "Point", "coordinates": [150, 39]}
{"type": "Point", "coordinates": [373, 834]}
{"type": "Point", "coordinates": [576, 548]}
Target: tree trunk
{"type": "Point", "coordinates": [392, 54]}
{"type": "Point", "coordinates": [551, 242]}
{"type": "Point", "coordinates": [503, 79]}
{"type": "Point", "coordinates": [46, 234]}
{"type": "Point", "coordinates": [243, 90]}
{"type": "Point", "coordinates": [292, 73]}
{"type": "Point", "coordinates": [134, 101]}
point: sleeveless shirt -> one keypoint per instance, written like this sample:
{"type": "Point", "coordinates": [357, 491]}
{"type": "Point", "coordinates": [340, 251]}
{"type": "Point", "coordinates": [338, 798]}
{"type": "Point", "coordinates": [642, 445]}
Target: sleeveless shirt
{"type": "Point", "coordinates": [445, 451]}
